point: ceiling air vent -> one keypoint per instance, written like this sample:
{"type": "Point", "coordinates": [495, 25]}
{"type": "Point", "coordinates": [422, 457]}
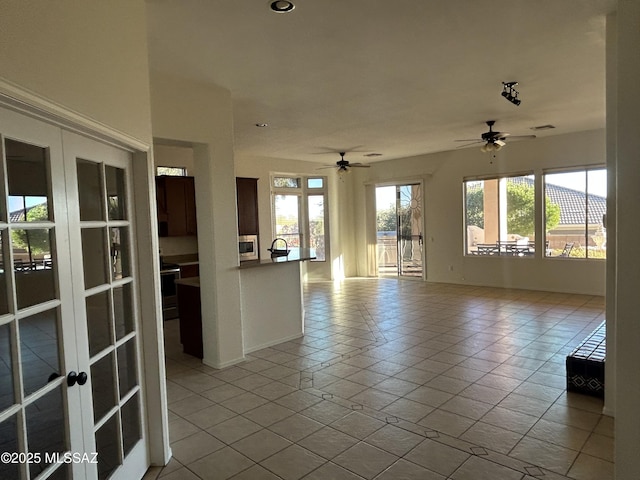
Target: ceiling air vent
{"type": "Point", "coordinates": [544, 127]}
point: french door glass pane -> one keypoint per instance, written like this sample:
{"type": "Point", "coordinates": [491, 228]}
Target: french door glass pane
{"type": "Point", "coordinates": [94, 257]}
{"type": "Point", "coordinates": [39, 349]}
{"type": "Point", "coordinates": [7, 396]}
{"type": "Point", "coordinates": [108, 447]}
{"type": "Point", "coordinates": [98, 322]}
{"type": "Point", "coordinates": [115, 192]}
{"type": "Point", "coordinates": [90, 190]}
{"type": "Point", "coordinates": [103, 386]}
{"type": "Point", "coordinates": [127, 377]}
{"type": "Point", "coordinates": [131, 429]}
{"type": "Point", "coordinates": [34, 266]}
{"type": "Point", "coordinates": [46, 427]}
{"type": "Point", "coordinates": [4, 299]}
{"type": "Point", "coordinates": [316, 225]}
{"type": "Point", "coordinates": [123, 310]}
{"type": "Point", "coordinates": [287, 212]}
{"type": "Point", "coordinates": [9, 443]}
{"type": "Point", "coordinates": [27, 177]}
{"type": "Point", "coordinates": [119, 252]}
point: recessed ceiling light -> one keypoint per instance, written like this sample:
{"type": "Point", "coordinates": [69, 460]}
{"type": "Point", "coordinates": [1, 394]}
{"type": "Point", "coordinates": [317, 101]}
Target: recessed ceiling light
{"type": "Point", "coordinates": [543, 127]}
{"type": "Point", "coordinates": [373, 154]}
{"type": "Point", "coordinates": [262, 125]}
{"type": "Point", "coordinates": [282, 6]}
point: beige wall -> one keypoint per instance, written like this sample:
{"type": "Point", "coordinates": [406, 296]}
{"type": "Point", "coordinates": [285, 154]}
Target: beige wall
{"type": "Point", "coordinates": [89, 56]}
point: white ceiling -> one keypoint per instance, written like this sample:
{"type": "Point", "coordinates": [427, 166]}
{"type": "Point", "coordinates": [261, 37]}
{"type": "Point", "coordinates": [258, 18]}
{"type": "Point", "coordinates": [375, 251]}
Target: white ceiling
{"type": "Point", "coordinates": [398, 77]}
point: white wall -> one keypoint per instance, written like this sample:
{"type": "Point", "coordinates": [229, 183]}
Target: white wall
{"type": "Point", "coordinates": [90, 57]}
{"type": "Point", "coordinates": [443, 174]}
{"type": "Point", "coordinates": [201, 116]}
{"type": "Point", "coordinates": [627, 327]}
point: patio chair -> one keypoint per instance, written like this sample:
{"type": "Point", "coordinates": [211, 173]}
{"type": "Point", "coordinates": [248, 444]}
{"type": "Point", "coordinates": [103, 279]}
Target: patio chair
{"type": "Point", "coordinates": [566, 250]}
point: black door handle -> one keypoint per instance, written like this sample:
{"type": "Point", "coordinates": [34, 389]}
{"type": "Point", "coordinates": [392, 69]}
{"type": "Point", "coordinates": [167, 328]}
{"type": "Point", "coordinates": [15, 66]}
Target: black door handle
{"type": "Point", "coordinates": [79, 378]}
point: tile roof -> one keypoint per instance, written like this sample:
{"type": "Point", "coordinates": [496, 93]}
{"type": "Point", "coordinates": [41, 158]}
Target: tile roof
{"type": "Point", "coordinates": [572, 203]}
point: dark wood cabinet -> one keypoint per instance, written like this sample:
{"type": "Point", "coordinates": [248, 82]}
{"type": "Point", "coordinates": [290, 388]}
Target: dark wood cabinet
{"type": "Point", "coordinates": [190, 270]}
{"type": "Point", "coordinates": [176, 200]}
{"type": "Point", "coordinates": [247, 198]}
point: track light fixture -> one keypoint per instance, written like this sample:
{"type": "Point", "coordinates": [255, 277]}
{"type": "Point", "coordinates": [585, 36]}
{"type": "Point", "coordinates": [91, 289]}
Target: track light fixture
{"type": "Point", "coordinates": [510, 93]}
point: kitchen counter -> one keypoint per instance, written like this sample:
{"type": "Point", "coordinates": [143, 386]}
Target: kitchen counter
{"type": "Point", "coordinates": [181, 260]}
{"type": "Point", "coordinates": [295, 255]}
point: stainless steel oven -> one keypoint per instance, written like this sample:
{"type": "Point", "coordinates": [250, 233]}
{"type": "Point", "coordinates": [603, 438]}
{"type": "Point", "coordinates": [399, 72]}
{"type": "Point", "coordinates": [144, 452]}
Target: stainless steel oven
{"type": "Point", "coordinates": [169, 273]}
{"type": "Point", "coordinates": [248, 247]}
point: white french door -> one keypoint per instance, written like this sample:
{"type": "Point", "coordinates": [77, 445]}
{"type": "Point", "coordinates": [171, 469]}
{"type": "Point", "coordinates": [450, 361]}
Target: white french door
{"type": "Point", "coordinates": [71, 404]}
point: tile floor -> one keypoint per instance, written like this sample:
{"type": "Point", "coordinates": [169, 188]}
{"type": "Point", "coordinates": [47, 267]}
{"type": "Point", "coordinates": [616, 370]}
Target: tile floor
{"type": "Point", "coordinates": [397, 379]}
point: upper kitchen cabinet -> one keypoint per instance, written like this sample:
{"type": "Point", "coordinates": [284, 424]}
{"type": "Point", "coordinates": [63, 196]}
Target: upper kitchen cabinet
{"type": "Point", "coordinates": [176, 206]}
{"type": "Point", "coordinates": [247, 192]}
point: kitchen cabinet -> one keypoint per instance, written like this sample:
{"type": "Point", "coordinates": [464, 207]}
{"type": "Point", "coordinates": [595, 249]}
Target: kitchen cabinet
{"type": "Point", "coordinates": [176, 200]}
{"type": "Point", "coordinates": [247, 198]}
{"type": "Point", "coordinates": [189, 270]}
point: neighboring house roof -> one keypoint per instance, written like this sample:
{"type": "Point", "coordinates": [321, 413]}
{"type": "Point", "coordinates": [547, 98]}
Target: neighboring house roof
{"type": "Point", "coordinates": [572, 203]}
{"type": "Point", "coordinates": [21, 215]}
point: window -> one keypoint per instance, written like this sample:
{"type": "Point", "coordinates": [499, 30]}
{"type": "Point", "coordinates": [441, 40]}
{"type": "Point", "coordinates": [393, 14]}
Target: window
{"type": "Point", "coordinates": [172, 171]}
{"type": "Point", "coordinates": [299, 212]}
{"type": "Point", "coordinates": [500, 216]}
{"type": "Point", "coordinates": [576, 227]}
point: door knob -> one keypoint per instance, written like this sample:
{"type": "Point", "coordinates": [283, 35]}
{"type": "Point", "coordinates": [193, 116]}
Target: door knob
{"type": "Point", "coordinates": [82, 378]}
{"type": "Point", "coordinates": [79, 378]}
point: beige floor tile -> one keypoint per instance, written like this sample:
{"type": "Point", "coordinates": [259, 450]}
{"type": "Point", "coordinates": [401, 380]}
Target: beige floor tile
{"type": "Point", "coordinates": [447, 422]}
{"type": "Point", "coordinates": [273, 390]}
{"type": "Point", "coordinates": [448, 384]}
{"type": "Point", "coordinates": [268, 414]}
{"type": "Point", "coordinates": [466, 407]}
{"type": "Point", "coordinates": [559, 434]}
{"type": "Point", "coordinates": [429, 396]}
{"type": "Point", "coordinates": [405, 470]}
{"type": "Point", "coordinates": [492, 437]}
{"type": "Point", "coordinates": [244, 402]}
{"type": "Point", "coordinates": [222, 392]}
{"type": "Point", "coordinates": [180, 428]}
{"type": "Point", "coordinates": [260, 445]}
{"type": "Point", "coordinates": [587, 467]}
{"type": "Point", "coordinates": [293, 462]}
{"type": "Point", "coordinates": [326, 411]}
{"type": "Point", "coordinates": [331, 471]}
{"type": "Point", "coordinates": [234, 429]}
{"type": "Point", "coordinates": [255, 473]}
{"type": "Point", "coordinates": [181, 474]}
{"type": "Point", "coordinates": [600, 446]}
{"type": "Point", "coordinates": [210, 416]}
{"type": "Point", "coordinates": [376, 399]}
{"type": "Point", "coordinates": [525, 404]}
{"type": "Point", "coordinates": [195, 447]}
{"type": "Point", "coordinates": [477, 468]}
{"type": "Point", "coordinates": [437, 457]}
{"type": "Point", "coordinates": [328, 442]}
{"type": "Point", "coordinates": [394, 440]}
{"type": "Point", "coordinates": [295, 427]}
{"type": "Point", "coordinates": [365, 460]}
{"type": "Point", "coordinates": [358, 425]}
{"type": "Point", "coordinates": [546, 455]}
{"type": "Point", "coordinates": [220, 465]}
{"type": "Point", "coordinates": [197, 382]}
{"type": "Point", "coordinates": [408, 409]}
{"type": "Point", "coordinates": [574, 417]}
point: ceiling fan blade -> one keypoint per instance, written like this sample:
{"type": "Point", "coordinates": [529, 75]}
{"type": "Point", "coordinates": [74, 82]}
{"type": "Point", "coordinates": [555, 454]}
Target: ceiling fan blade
{"type": "Point", "coordinates": [325, 167]}
{"type": "Point", "coordinates": [473, 140]}
{"type": "Point", "coordinates": [468, 144]}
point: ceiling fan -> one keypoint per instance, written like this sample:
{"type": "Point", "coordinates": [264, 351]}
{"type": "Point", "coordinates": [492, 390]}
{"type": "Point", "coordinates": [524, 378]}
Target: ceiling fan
{"type": "Point", "coordinates": [493, 141]}
{"type": "Point", "coordinates": [344, 165]}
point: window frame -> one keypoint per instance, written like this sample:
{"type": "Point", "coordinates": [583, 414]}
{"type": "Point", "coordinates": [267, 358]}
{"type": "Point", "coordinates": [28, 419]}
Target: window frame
{"type": "Point", "coordinates": [502, 248]}
{"type": "Point", "coordinates": [586, 235]}
{"type": "Point", "coordinates": [183, 169]}
{"type": "Point", "coordinates": [303, 191]}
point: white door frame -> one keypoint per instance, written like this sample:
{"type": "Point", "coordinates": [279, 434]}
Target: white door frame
{"type": "Point", "coordinates": [152, 374]}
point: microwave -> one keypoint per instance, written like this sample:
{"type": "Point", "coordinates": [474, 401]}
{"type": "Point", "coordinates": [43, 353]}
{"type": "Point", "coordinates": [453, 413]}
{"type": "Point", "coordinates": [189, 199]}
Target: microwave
{"type": "Point", "coordinates": [248, 247]}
